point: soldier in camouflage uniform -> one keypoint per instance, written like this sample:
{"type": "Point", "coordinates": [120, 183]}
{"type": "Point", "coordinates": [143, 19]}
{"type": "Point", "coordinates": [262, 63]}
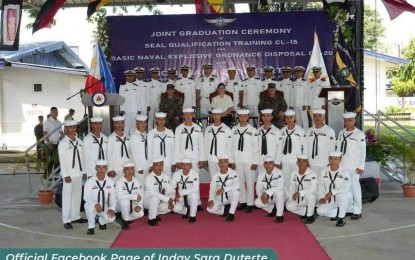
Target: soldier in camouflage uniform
{"type": "Point", "coordinates": [172, 106]}
{"type": "Point", "coordinates": [275, 102]}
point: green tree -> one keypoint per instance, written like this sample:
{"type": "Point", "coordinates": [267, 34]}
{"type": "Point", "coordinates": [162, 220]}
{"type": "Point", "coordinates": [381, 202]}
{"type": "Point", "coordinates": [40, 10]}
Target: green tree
{"type": "Point", "coordinates": [373, 30]}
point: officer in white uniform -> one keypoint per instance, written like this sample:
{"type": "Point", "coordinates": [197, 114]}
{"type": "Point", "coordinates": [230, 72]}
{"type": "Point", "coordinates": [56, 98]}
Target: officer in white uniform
{"type": "Point", "coordinates": [205, 86]}
{"type": "Point", "coordinates": [100, 198]}
{"type": "Point", "coordinates": [159, 194]}
{"type": "Point", "coordinates": [139, 148]}
{"type": "Point", "coordinates": [302, 194]}
{"type": "Point", "coordinates": [217, 141]}
{"type": "Point", "coordinates": [143, 90]}
{"type": "Point", "coordinates": [234, 85]}
{"type": "Point", "coordinates": [131, 106]}
{"type": "Point", "coordinates": [156, 89]}
{"type": "Point", "coordinates": [161, 144]}
{"type": "Point", "coordinates": [224, 190]}
{"type": "Point", "coordinates": [187, 86]}
{"type": "Point", "coordinates": [95, 146]}
{"type": "Point", "coordinates": [130, 195]}
{"type": "Point", "coordinates": [252, 88]}
{"type": "Point", "coordinates": [334, 191]}
{"type": "Point", "coordinates": [321, 140]}
{"type": "Point", "coordinates": [271, 194]}
{"type": "Point", "coordinates": [286, 85]}
{"type": "Point", "coordinates": [269, 78]}
{"type": "Point", "coordinates": [317, 83]}
{"type": "Point", "coordinates": [171, 77]}
{"type": "Point", "coordinates": [269, 143]}
{"type": "Point", "coordinates": [245, 158]}
{"type": "Point", "coordinates": [351, 143]}
{"type": "Point", "coordinates": [118, 149]}
{"type": "Point", "coordinates": [72, 171]}
{"type": "Point", "coordinates": [301, 97]}
{"type": "Point", "coordinates": [187, 183]}
{"type": "Point", "coordinates": [293, 142]}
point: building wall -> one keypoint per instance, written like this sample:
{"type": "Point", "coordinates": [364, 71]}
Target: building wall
{"type": "Point", "coordinates": [375, 83]}
{"type": "Point", "coordinates": [20, 106]}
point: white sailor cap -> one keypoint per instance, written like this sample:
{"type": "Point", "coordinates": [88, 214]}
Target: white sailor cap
{"type": "Point", "coordinates": [129, 73]}
{"type": "Point", "coordinates": [160, 115]}
{"type": "Point", "coordinates": [154, 69]}
{"type": "Point", "coordinates": [335, 154]}
{"type": "Point", "coordinates": [286, 69]}
{"type": "Point", "coordinates": [302, 156]}
{"type": "Point", "coordinates": [128, 164]}
{"type": "Point", "coordinates": [243, 112]}
{"type": "Point", "coordinates": [171, 71]}
{"type": "Point", "coordinates": [186, 160]}
{"type": "Point", "coordinates": [316, 69]}
{"type": "Point", "coordinates": [268, 69]}
{"type": "Point", "coordinates": [223, 156]}
{"type": "Point", "coordinates": [185, 67]}
{"type": "Point", "coordinates": [299, 68]}
{"type": "Point", "coordinates": [349, 115]}
{"type": "Point", "coordinates": [101, 162]}
{"type": "Point", "coordinates": [139, 69]}
{"type": "Point", "coordinates": [156, 160]}
{"type": "Point", "coordinates": [141, 118]}
{"type": "Point", "coordinates": [69, 123]}
{"type": "Point", "coordinates": [217, 111]}
{"type": "Point", "coordinates": [251, 67]}
{"type": "Point", "coordinates": [118, 118]}
{"type": "Point", "coordinates": [96, 119]}
{"type": "Point", "coordinates": [319, 111]}
{"type": "Point", "coordinates": [207, 66]}
{"type": "Point", "coordinates": [289, 112]}
{"type": "Point", "coordinates": [188, 110]}
{"type": "Point", "coordinates": [231, 68]}
{"type": "Point", "coordinates": [268, 159]}
{"type": "Point", "coordinates": [266, 111]}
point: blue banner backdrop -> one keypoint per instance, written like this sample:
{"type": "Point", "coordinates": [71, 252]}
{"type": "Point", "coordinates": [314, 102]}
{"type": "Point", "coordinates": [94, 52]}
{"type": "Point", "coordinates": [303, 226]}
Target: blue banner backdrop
{"type": "Point", "coordinates": [168, 41]}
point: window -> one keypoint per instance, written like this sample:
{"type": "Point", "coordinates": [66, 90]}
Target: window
{"type": "Point", "coordinates": [37, 88]}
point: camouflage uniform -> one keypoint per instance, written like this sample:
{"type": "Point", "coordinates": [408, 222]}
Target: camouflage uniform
{"type": "Point", "coordinates": [277, 104]}
{"type": "Point", "coordinates": [173, 108]}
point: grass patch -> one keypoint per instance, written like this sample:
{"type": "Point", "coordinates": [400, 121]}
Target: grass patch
{"type": "Point", "coordinates": [410, 125]}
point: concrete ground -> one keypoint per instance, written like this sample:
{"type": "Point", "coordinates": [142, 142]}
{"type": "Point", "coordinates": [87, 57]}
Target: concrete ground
{"type": "Point", "coordinates": [386, 231]}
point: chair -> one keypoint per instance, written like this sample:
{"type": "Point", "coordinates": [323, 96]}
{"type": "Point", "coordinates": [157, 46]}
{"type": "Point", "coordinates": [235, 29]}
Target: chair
{"type": "Point", "coordinates": [232, 114]}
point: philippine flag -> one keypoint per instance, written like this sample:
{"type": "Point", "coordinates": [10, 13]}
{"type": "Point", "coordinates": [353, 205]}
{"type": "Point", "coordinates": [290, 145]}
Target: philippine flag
{"type": "Point", "coordinates": [99, 78]}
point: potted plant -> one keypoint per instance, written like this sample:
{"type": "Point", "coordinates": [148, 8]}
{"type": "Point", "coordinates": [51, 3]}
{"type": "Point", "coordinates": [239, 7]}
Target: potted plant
{"type": "Point", "coordinates": [404, 151]}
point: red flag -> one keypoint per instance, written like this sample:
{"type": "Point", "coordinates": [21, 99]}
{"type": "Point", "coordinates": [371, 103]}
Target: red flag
{"type": "Point", "coordinates": [47, 12]}
{"type": "Point", "coordinates": [396, 7]}
{"type": "Point", "coordinates": [199, 7]}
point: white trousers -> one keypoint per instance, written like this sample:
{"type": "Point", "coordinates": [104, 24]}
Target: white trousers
{"type": "Point", "coordinates": [356, 191]}
{"type": "Point", "coordinates": [246, 183]}
{"type": "Point", "coordinates": [91, 213]}
{"type": "Point", "coordinates": [71, 200]}
{"type": "Point", "coordinates": [213, 168]}
{"type": "Point", "coordinates": [151, 115]}
{"type": "Point", "coordinates": [193, 201]}
{"type": "Point", "coordinates": [301, 117]}
{"type": "Point", "coordinates": [155, 207]}
{"type": "Point", "coordinates": [340, 202]}
{"type": "Point", "coordinates": [123, 206]}
{"type": "Point", "coordinates": [278, 200]}
{"type": "Point", "coordinates": [219, 206]}
{"type": "Point", "coordinates": [287, 169]}
{"type": "Point", "coordinates": [129, 122]}
{"type": "Point", "coordinates": [305, 205]}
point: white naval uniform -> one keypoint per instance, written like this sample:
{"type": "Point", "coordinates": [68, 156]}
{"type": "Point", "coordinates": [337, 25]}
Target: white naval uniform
{"type": "Point", "coordinates": [230, 183]}
{"type": "Point", "coordinates": [143, 95]}
{"type": "Point", "coordinates": [287, 88]}
{"type": "Point", "coordinates": [320, 142]}
{"type": "Point", "coordinates": [139, 154]}
{"type": "Point", "coordinates": [315, 89]}
{"type": "Point", "coordinates": [234, 86]}
{"type": "Point", "coordinates": [217, 142]}
{"type": "Point", "coordinates": [189, 142]}
{"type": "Point", "coordinates": [127, 194]}
{"type": "Point", "coordinates": [252, 89]}
{"type": "Point", "coordinates": [300, 98]}
{"type": "Point", "coordinates": [158, 192]}
{"type": "Point", "coordinates": [72, 164]}
{"type": "Point", "coordinates": [95, 148]}
{"type": "Point", "coordinates": [156, 88]}
{"type": "Point", "coordinates": [99, 192]}
{"type": "Point", "coordinates": [188, 189]}
{"type": "Point", "coordinates": [188, 87]}
{"type": "Point", "coordinates": [161, 144]}
{"type": "Point", "coordinates": [245, 153]}
{"type": "Point", "coordinates": [269, 144]}
{"type": "Point", "coordinates": [265, 83]}
{"type": "Point", "coordinates": [306, 185]}
{"type": "Point", "coordinates": [206, 85]}
{"type": "Point", "coordinates": [118, 151]}
{"type": "Point", "coordinates": [131, 105]}
{"type": "Point", "coordinates": [289, 156]}
{"type": "Point", "coordinates": [352, 145]}
{"type": "Point", "coordinates": [338, 183]}
{"type": "Point", "coordinates": [273, 185]}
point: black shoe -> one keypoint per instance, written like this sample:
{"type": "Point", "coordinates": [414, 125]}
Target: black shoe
{"type": "Point", "coordinates": [242, 206]}
{"type": "Point", "coordinates": [192, 220]}
{"type": "Point", "coordinates": [334, 219]}
{"type": "Point", "coordinates": [81, 220]}
{"type": "Point", "coordinates": [96, 219]}
{"type": "Point", "coordinates": [226, 211]}
{"type": "Point", "coordinates": [102, 227]}
{"type": "Point", "coordinates": [279, 219]}
{"type": "Point", "coordinates": [356, 216]}
{"type": "Point", "coordinates": [153, 222]}
{"type": "Point", "coordinates": [248, 209]}
{"type": "Point", "coordinates": [341, 222]}
{"type": "Point", "coordinates": [303, 217]}
{"type": "Point", "coordinates": [200, 208]}
{"type": "Point", "coordinates": [230, 217]}
{"type": "Point", "coordinates": [158, 218]}
{"type": "Point", "coordinates": [68, 226]}
{"type": "Point", "coordinates": [186, 216]}
{"type": "Point", "coordinates": [349, 214]}
{"type": "Point", "coordinates": [124, 224]}
{"type": "Point", "coordinates": [310, 220]}
{"type": "Point", "coordinates": [272, 213]}
{"type": "Point", "coordinates": [90, 231]}
{"type": "Point", "coordinates": [118, 215]}
{"type": "Point", "coordinates": [145, 212]}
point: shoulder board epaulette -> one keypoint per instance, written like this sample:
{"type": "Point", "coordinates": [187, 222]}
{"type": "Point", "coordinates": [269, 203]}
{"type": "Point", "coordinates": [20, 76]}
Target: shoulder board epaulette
{"type": "Point", "coordinates": [256, 78]}
{"type": "Point", "coordinates": [134, 84]}
{"type": "Point", "coordinates": [191, 78]}
{"type": "Point", "coordinates": [214, 76]}
{"type": "Point", "coordinates": [146, 80]}
{"type": "Point", "coordinates": [245, 79]}
{"type": "Point", "coordinates": [178, 79]}
{"type": "Point", "coordinates": [163, 81]}
{"type": "Point", "coordinates": [303, 79]}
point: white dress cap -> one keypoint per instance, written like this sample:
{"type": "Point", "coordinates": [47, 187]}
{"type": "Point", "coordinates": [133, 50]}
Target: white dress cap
{"type": "Point", "coordinates": [96, 119]}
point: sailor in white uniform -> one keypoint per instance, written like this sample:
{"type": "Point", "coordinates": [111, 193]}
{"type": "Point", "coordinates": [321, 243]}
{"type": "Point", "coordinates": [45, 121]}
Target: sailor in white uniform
{"type": "Point", "coordinates": [234, 85]}
{"type": "Point", "coordinates": [205, 86]}
{"type": "Point", "coordinates": [156, 89]}
{"type": "Point", "coordinates": [118, 149]}
{"type": "Point", "coordinates": [301, 97]}
{"type": "Point", "coordinates": [143, 90]}
{"type": "Point", "coordinates": [139, 148]}
{"type": "Point", "coordinates": [95, 146]}
{"type": "Point", "coordinates": [131, 106]}
{"type": "Point", "coordinates": [268, 77]}
{"type": "Point", "coordinates": [269, 143]}
{"type": "Point", "coordinates": [252, 88]}
{"type": "Point", "coordinates": [187, 86]}
{"type": "Point", "coordinates": [317, 83]}
{"type": "Point", "coordinates": [286, 84]}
